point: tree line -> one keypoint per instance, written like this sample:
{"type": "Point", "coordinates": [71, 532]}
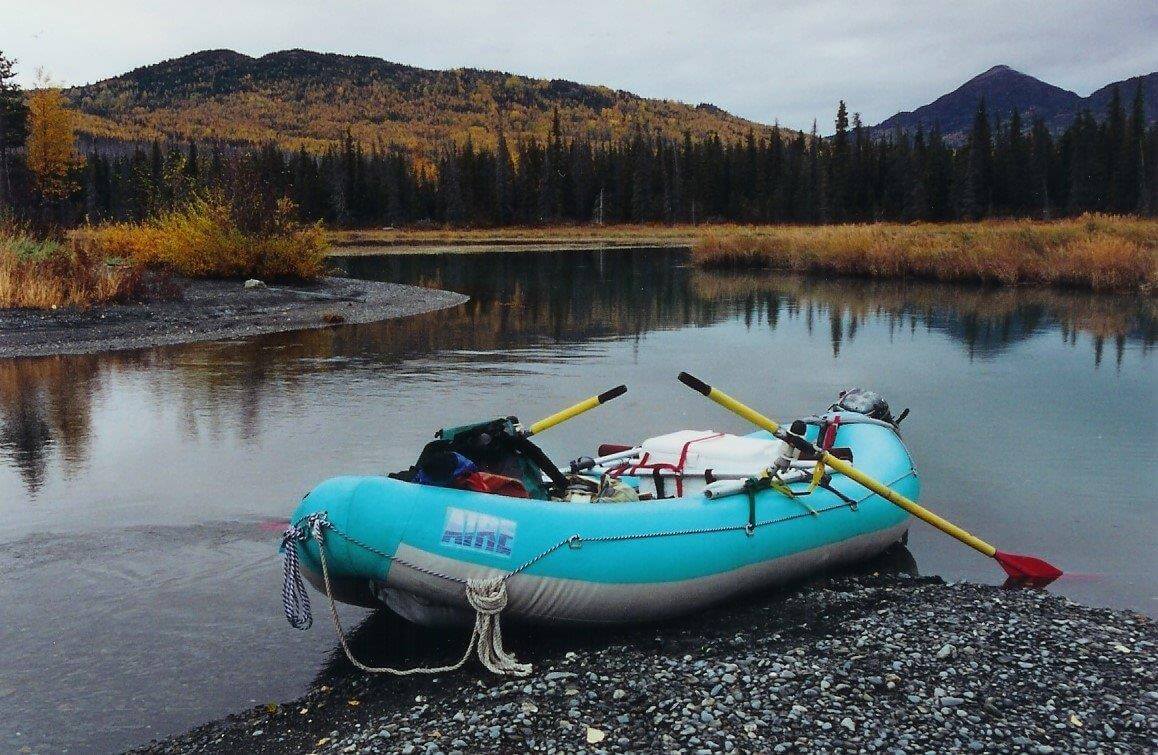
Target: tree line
{"type": "Point", "coordinates": [1004, 168]}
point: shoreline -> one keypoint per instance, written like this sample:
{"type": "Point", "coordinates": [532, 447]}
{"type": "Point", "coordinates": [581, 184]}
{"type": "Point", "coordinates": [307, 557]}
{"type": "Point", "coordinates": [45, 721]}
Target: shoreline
{"type": "Point", "coordinates": [1097, 252]}
{"type": "Point", "coordinates": [842, 663]}
{"type": "Point", "coordinates": [212, 310]}
{"type": "Point", "coordinates": [468, 246]}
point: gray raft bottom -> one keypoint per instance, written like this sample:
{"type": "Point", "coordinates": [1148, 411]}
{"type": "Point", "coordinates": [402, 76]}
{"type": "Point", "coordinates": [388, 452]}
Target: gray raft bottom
{"type": "Point", "coordinates": [431, 601]}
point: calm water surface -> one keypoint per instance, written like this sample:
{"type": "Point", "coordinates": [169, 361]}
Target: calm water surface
{"type": "Point", "coordinates": [141, 492]}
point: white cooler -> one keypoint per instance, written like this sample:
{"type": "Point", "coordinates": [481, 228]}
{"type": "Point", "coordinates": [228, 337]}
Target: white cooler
{"type": "Point", "coordinates": [684, 458]}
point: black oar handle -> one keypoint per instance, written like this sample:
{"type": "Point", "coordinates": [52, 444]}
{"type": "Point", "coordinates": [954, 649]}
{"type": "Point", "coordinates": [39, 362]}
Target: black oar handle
{"type": "Point", "coordinates": [615, 392]}
{"type": "Point", "coordinates": [697, 385]}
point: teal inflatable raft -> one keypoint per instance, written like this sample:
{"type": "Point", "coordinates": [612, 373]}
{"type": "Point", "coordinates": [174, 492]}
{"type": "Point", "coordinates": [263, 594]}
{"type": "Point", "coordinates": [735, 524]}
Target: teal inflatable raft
{"type": "Point", "coordinates": [653, 537]}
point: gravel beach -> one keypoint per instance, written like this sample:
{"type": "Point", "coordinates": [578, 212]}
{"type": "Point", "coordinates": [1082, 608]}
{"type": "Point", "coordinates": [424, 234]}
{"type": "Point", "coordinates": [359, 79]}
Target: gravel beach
{"type": "Point", "coordinates": [844, 664]}
{"type": "Point", "coordinates": [210, 310]}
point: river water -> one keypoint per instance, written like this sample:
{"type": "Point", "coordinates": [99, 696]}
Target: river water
{"type": "Point", "coordinates": [142, 492]}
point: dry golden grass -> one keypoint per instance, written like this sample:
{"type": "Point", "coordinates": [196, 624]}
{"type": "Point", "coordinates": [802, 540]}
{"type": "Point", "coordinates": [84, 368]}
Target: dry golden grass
{"type": "Point", "coordinates": [1098, 252]}
{"type": "Point", "coordinates": [47, 275]}
{"type": "Point", "coordinates": [204, 240]}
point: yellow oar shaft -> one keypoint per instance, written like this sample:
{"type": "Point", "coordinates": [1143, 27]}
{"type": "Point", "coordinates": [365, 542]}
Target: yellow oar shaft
{"type": "Point", "coordinates": [564, 415]}
{"type": "Point", "coordinates": [576, 410]}
{"type": "Point", "coordinates": [758, 419]}
{"type": "Point", "coordinates": [908, 505]}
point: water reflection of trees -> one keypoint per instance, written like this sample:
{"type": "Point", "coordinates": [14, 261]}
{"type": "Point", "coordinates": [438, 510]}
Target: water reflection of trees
{"type": "Point", "coordinates": [520, 302]}
{"type": "Point", "coordinates": [985, 320]}
{"type": "Point", "coordinates": [44, 403]}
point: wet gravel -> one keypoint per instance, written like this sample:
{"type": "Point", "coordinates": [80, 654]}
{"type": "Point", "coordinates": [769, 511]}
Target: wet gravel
{"type": "Point", "coordinates": [212, 310]}
{"type": "Point", "coordinates": [849, 664]}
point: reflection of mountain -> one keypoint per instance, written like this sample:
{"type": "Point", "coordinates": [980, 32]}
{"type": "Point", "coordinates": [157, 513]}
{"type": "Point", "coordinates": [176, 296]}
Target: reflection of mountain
{"type": "Point", "coordinates": [522, 304]}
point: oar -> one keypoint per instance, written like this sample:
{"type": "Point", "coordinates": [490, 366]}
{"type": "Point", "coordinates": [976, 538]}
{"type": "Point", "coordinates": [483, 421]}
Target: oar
{"type": "Point", "coordinates": [574, 411]}
{"type": "Point", "coordinates": [535, 454]}
{"type": "Point", "coordinates": [1016, 566]}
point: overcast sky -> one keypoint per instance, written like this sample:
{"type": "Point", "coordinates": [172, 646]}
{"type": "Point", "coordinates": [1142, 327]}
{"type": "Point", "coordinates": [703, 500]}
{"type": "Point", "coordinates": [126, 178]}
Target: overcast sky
{"type": "Point", "coordinates": [770, 60]}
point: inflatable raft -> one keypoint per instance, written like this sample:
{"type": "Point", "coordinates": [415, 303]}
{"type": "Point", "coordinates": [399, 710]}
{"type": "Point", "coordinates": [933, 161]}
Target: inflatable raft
{"type": "Point", "coordinates": [414, 547]}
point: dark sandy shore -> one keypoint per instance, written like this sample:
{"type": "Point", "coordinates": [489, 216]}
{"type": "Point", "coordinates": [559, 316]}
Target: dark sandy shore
{"type": "Point", "coordinates": [846, 664]}
{"type": "Point", "coordinates": [212, 310]}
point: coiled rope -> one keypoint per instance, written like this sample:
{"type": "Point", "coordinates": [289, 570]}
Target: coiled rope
{"type": "Point", "coordinates": [295, 600]}
{"type": "Point", "coordinates": [487, 596]}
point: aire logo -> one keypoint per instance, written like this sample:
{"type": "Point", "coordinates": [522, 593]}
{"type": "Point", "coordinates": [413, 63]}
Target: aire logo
{"type": "Point", "coordinates": [476, 531]}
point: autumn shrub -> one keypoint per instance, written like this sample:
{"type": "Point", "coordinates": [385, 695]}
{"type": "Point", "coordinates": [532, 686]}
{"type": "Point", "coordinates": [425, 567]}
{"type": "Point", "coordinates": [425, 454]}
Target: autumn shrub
{"type": "Point", "coordinates": [210, 237]}
{"type": "Point", "coordinates": [1098, 252]}
{"type": "Point", "coordinates": [47, 274]}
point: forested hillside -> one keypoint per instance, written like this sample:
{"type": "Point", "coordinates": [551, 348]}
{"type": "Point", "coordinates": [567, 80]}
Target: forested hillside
{"type": "Point", "coordinates": [298, 98]}
{"type": "Point", "coordinates": [1005, 169]}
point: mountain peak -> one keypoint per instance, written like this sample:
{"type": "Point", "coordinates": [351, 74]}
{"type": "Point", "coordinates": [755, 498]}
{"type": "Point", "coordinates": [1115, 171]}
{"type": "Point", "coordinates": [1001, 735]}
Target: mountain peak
{"type": "Point", "coordinates": [1004, 90]}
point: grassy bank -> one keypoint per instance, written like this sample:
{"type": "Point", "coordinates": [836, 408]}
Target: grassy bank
{"type": "Point", "coordinates": [1097, 252]}
{"type": "Point", "coordinates": [205, 238]}
{"type": "Point", "coordinates": [46, 274]}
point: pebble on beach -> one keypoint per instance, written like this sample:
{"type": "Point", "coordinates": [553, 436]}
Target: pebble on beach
{"type": "Point", "coordinates": [855, 664]}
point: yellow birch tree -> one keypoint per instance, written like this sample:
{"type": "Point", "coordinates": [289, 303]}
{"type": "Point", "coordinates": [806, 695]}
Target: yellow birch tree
{"type": "Point", "coordinates": [51, 145]}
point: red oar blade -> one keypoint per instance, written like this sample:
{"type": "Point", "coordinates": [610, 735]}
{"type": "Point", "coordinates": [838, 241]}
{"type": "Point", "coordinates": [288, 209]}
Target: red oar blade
{"type": "Point", "coordinates": [1027, 567]}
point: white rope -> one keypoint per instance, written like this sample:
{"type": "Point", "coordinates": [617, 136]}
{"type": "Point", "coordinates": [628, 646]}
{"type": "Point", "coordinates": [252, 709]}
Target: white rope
{"type": "Point", "coordinates": [488, 597]}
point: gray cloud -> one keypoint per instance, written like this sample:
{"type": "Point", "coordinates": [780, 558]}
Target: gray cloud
{"type": "Point", "coordinates": [790, 61]}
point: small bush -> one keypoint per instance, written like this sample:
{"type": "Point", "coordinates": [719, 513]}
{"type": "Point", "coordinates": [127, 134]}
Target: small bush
{"type": "Point", "coordinates": [207, 239]}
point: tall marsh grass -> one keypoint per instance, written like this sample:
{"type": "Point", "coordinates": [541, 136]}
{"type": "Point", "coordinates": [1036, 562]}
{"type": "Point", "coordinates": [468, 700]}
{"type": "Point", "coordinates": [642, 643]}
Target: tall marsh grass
{"type": "Point", "coordinates": [46, 274]}
{"type": "Point", "coordinates": [1097, 252]}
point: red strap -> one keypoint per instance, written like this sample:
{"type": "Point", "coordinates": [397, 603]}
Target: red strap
{"type": "Point", "coordinates": [830, 433]}
{"type": "Point", "coordinates": [640, 464]}
{"type": "Point", "coordinates": [678, 467]}
{"type": "Point", "coordinates": [684, 453]}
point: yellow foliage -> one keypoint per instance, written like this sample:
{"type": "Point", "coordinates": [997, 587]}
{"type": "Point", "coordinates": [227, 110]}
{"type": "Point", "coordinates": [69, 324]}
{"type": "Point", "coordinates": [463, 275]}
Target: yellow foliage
{"type": "Point", "coordinates": [203, 240]}
{"type": "Point", "coordinates": [50, 148]}
{"type": "Point", "coordinates": [300, 99]}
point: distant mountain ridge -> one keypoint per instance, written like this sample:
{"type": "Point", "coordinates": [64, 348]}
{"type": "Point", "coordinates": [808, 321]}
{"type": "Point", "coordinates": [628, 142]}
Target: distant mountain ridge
{"type": "Point", "coordinates": [303, 98]}
{"type": "Point", "coordinates": [1005, 89]}
{"type": "Point", "coordinates": [299, 98]}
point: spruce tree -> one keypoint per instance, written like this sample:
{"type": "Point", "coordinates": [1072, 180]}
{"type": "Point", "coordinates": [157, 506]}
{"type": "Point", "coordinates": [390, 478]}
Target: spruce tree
{"type": "Point", "coordinates": [1116, 156]}
{"type": "Point", "coordinates": [1041, 164]}
{"type": "Point", "coordinates": [840, 167]}
{"type": "Point", "coordinates": [1137, 157]}
{"type": "Point", "coordinates": [977, 199]}
{"type": "Point", "coordinates": [13, 123]}
{"type": "Point", "coordinates": [917, 193]}
{"type": "Point", "coordinates": [504, 209]}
